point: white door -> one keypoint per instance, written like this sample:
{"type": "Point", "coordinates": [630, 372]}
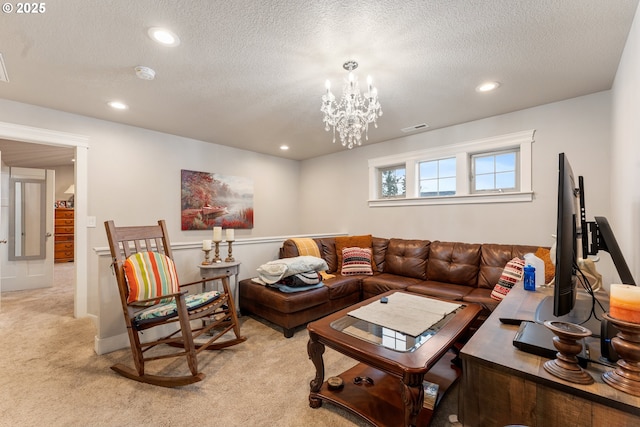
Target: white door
{"type": "Point", "coordinates": [21, 274]}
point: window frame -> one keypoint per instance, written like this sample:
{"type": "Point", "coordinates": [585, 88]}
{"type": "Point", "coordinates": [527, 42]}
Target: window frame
{"type": "Point", "coordinates": [381, 172]}
{"type": "Point", "coordinates": [439, 178]}
{"type": "Point", "coordinates": [462, 151]}
{"type": "Point", "coordinates": [472, 184]}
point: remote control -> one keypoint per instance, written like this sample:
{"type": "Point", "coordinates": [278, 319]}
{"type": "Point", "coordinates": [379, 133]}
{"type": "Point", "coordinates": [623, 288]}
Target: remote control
{"type": "Point", "coordinates": [509, 321]}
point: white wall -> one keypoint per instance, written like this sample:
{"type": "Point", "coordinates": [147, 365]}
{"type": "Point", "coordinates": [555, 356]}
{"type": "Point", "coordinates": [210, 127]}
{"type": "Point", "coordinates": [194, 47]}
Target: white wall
{"type": "Point", "coordinates": [334, 188]}
{"type": "Point", "coordinates": [64, 178]}
{"type": "Point", "coordinates": [134, 179]}
{"type": "Point", "coordinates": [625, 151]}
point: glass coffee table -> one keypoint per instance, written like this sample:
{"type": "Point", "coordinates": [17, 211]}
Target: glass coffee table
{"type": "Point", "coordinates": [386, 387]}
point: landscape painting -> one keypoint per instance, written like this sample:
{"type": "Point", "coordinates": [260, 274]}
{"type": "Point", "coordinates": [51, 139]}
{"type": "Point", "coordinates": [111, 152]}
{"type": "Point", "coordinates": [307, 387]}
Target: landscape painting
{"type": "Point", "coordinates": [211, 199]}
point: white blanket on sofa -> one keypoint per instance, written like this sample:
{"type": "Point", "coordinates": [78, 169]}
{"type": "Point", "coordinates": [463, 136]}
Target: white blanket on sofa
{"type": "Point", "coordinates": [274, 271]}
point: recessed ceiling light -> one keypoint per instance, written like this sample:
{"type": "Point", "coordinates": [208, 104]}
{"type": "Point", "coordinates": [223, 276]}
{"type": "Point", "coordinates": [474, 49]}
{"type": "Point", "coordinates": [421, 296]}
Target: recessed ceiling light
{"type": "Point", "coordinates": [488, 86]}
{"type": "Point", "coordinates": [117, 105]}
{"type": "Point", "coordinates": [284, 147]}
{"type": "Point", "coordinates": [164, 36]}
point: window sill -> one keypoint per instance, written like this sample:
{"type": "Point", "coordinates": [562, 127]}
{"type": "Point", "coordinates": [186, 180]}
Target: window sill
{"type": "Point", "coordinates": [455, 200]}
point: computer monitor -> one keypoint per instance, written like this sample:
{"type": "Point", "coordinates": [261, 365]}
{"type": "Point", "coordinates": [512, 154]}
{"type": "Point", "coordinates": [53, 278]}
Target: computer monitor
{"type": "Point", "coordinates": [567, 231]}
{"type": "Point", "coordinates": [577, 238]}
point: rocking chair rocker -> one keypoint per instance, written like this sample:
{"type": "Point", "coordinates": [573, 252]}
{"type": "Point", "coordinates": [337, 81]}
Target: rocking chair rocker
{"type": "Point", "coordinates": [152, 297]}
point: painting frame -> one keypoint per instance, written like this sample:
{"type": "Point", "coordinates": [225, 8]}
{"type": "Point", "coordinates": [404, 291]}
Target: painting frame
{"type": "Point", "coordinates": [210, 199]}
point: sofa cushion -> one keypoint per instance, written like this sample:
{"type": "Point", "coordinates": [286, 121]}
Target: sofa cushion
{"type": "Point", "coordinates": [379, 247]}
{"type": "Point", "coordinates": [494, 257]}
{"type": "Point", "coordinates": [383, 282]}
{"type": "Point", "coordinates": [407, 258]}
{"type": "Point", "coordinates": [454, 262]}
{"type": "Point", "coordinates": [281, 301]}
{"type": "Point", "coordinates": [482, 297]}
{"type": "Point", "coordinates": [328, 252]}
{"type": "Point", "coordinates": [364, 241]}
{"type": "Point", "coordinates": [356, 261]}
{"type": "Point", "coordinates": [342, 286]}
{"type": "Point", "coordinates": [443, 290]}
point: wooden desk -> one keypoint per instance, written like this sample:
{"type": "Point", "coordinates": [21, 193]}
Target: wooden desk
{"type": "Point", "coordinates": [221, 268]}
{"type": "Point", "coordinates": [502, 385]}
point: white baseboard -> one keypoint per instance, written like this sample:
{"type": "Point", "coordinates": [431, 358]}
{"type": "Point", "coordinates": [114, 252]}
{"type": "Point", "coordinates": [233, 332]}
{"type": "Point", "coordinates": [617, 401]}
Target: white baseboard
{"type": "Point", "coordinates": [109, 344]}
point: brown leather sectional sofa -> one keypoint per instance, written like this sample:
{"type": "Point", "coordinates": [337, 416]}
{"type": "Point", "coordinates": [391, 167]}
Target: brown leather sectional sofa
{"type": "Point", "coordinates": [450, 270]}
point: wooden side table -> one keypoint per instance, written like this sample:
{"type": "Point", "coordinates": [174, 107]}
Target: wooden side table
{"type": "Point", "coordinates": [222, 268]}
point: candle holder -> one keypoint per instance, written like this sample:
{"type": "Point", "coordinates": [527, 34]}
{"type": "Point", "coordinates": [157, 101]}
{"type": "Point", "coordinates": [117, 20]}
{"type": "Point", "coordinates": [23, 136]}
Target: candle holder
{"type": "Point", "coordinates": [565, 365]}
{"type": "Point", "coordinates": [216, 257]}
{"type": "Point", "coordinates": [230, 258]}
{"type": "Point", "coordinates": [206, 261]}
{"type": "Point", "coordinates": [626, 376]}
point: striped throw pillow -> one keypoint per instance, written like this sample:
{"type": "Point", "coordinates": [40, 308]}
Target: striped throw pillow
{"type": "Point", "coordinates": [356, 261]}
{"type": "Point", "coordinates": [150, 275]}
{"type": "Point", "coordinates": [511, 274]}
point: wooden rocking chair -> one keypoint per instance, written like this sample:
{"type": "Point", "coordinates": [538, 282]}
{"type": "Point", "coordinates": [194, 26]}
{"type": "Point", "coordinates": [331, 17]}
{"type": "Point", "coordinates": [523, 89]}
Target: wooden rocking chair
{"type": "Point", "coordinates": [152, 297]}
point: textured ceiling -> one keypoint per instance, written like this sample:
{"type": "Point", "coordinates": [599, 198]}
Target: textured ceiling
{"type": "Point", "coordinates": [250, 74]}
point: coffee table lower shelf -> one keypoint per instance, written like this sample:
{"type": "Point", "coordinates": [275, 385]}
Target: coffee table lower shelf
{"type": "Point", "coordinates": [381, 403]}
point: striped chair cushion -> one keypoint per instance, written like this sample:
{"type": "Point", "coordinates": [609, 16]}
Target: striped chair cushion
{"type": "Point", "coordinates": [150, 275]}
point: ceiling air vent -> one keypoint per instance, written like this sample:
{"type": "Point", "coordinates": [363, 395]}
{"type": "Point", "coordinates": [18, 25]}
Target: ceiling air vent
{"type": "Point", "coordinates": [421, 126]}
{"type": "Point", "coordinates": [3, 71]}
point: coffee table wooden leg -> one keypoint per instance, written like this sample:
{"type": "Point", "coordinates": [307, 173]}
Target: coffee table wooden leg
{"type": "Point", "coordinates": [412, 397]}
{"type": "Point", "coordinates": [315, 351]}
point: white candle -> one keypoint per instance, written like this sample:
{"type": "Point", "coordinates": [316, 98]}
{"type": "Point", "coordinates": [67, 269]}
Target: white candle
{"type": "Point", "coordinates": [624, 303]}
{"type": "Point", "coordinates": [206, 245]}
{"type": "Point", "coordinates": [217, 234]}
{"type": "Point", "coordinates": [230, 235]}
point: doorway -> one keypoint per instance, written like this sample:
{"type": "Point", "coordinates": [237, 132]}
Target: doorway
{"type": "Point", "coordinates": [49, 144]}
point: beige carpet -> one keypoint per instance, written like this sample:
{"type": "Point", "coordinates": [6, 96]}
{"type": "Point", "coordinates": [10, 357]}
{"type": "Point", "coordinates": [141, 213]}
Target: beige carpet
{"type": "Point", "coordinates": [50, 375]}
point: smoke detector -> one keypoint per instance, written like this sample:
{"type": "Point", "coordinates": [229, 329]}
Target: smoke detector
{"type": "Point", "coordinates": [145, 73]}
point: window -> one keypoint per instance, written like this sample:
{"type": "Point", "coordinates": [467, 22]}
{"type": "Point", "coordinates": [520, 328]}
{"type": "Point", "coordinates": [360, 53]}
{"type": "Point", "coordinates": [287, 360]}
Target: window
{"type": "Point", "coordinates": [392, 182]}
{"type": "Point", "coordinates": [437, 177]}
{"type": "Point", "coordinates": [489, 170]}
{"type": "Point", "coordinates": [495, 172]}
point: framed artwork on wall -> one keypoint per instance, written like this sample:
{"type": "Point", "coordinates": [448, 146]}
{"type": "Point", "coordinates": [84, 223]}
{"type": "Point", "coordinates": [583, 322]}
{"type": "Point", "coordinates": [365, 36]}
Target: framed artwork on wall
{"type": "Point", "coordinates": [210, 199]}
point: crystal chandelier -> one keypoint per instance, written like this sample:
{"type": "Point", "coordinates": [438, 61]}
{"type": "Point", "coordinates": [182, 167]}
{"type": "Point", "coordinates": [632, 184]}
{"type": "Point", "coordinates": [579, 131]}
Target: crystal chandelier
{"type": "Point", "coordinates": [352, 115]}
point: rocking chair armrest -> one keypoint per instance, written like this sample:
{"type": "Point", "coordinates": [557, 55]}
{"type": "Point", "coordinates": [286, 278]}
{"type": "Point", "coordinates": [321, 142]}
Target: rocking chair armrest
{"type": "Point", "coordinates": [173, 295]}
{"type": "Point", "coordinates": [204, 280]}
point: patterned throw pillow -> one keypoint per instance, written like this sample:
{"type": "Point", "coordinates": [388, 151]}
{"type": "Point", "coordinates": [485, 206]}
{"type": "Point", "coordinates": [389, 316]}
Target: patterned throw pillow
{"type": "Point", "coordinates": [511, 274]}
{"type": "Point", "coordinates": [356, 261]}
{"type": "Point", "coordinates": [150, 275]}
{"type": "Point", "coordinates": [363, 241]}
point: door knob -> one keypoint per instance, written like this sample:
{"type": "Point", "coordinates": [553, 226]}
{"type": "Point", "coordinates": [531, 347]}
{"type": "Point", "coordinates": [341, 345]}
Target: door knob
{"type": "Point", "coordinates": [3, 241]}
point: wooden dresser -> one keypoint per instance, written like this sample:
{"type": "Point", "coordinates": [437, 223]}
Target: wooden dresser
{"type": "Point", "coordinates": [64, 235]}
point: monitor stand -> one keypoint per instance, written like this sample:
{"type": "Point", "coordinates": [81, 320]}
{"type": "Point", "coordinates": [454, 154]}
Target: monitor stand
{"type": "Point", "coordinates": [580, 312]}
